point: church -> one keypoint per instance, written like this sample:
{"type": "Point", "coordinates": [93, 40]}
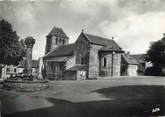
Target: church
{"type": "Point", "coordinates": [89, 57]}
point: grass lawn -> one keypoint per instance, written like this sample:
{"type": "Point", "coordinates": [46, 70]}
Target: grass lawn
{"type": "Point", "coordinates": [98, 98]}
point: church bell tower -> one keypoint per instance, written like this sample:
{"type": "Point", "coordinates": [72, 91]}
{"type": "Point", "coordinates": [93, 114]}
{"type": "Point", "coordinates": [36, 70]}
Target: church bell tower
{"type": "Point", "coordinates": [55, 38]}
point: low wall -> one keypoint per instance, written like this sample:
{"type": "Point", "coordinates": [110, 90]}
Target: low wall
{"type": "Point", "coordinates": [25, 85]}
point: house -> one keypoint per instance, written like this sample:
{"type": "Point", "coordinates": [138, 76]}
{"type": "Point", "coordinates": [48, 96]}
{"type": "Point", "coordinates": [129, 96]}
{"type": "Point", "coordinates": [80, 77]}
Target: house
{"type": "Point", "coordinates": [129, 65]}
{"type": "Point", "coordinates": [143, 64]}
{"type": "Point", "coordinates": [9, 70]}
{"type": "Point", "coordinates": [89, 57]}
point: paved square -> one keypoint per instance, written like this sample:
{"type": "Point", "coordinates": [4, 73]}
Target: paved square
{"type": "Point", "coordinates": [120, 96]}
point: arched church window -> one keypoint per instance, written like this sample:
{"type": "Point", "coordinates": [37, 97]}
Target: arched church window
{"type": "Point", "coordinates": [105, 62]}
{"type": "Point", "coordinates": [56, 40]}
{"type": "Point", "coordinates": [82, 60]}
{"type": "Point", "coordinates": [60, 67]}
{"type": "Point", "coordinates": [60, 40]}
{"type": "Point", "coordinates": [63, 42]}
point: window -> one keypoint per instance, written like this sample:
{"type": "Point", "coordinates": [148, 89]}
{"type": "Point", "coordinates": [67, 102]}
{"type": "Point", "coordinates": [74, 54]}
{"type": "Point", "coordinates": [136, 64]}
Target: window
{"type": "Point", "coordinates": [60, 67]}
{"type": "Point", "coordinates": [8, 70]}
{"type": "Point", "coordinates": [63, 42]}
{"type": "Point", "coordinates": [82, 60]}
{"type": "Point", "coordinates": [105, 62]}
{"type": "Point", "coordinates": [60, 40]}
{"type": "Point", "coordinates": [15, 70]}
{"type": "Point", "coordinates": [56, 40]}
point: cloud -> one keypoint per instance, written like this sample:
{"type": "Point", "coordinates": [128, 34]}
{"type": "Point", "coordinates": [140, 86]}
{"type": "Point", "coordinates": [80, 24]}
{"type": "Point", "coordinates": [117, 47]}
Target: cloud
{"type": "Point", "coordinates": [138, 21]}
{"type": "Point", "coordinates": [135, 32]}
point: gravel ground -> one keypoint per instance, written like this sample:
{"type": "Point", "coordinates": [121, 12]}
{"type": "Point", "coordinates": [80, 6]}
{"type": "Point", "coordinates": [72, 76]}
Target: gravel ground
{"type": "Point", "coordinates": [65, 93]}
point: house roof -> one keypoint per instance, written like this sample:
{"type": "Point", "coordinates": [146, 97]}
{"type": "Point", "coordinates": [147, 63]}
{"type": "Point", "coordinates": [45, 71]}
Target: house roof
{"type": "Point", "coordinates": [35, 64]}
{"type": "Point", "coordinates": [76, 68]}
{"type": "Point", "coordinates": [59, 59]}
{"type": "Point", "coordinates": [109, 44]}
{"type": "Point", "coordinates": [63, 50]}
{"type": "Point", "coordinates": [58, 32]}
{"type": "Point", "coordinates": [141, 58]}
{"type": "Point", "coordinates": [129, 59]}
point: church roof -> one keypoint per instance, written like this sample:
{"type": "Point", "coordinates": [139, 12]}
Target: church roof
{"type": "Point", "coordinates": [63, 50]}
{"type": "Point", "coordinates": [109, 44]}
{"type": "Point", "coordinates": [58, 32]}
{"type": "Point", "coordinates": [129, 59]}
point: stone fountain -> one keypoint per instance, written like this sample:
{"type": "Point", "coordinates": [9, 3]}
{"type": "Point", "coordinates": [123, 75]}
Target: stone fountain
{"type": "Point", "coordinates": [29, 41]}
{"type": "Point", "coordinates": [26, 82]}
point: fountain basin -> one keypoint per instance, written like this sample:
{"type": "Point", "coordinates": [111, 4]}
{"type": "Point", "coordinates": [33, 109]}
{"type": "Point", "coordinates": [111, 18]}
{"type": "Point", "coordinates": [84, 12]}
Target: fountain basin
{"type": "Point", "coordinates": [20, 85]}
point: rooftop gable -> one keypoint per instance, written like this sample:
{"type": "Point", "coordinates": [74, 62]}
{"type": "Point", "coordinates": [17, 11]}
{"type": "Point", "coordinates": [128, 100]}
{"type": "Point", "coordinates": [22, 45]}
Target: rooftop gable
{"type": "Point", "coordinates": [58, 32]}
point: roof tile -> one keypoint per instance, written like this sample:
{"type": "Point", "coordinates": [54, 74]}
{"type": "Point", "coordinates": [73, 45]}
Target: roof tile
{"type": "Point", "coordinates": [63, 50]}
{"type": "Point", "coordinates": [129, 59]}
{"type": "Point", "coordinates": [58, 32]}
{"type": "Point", "coordinates": [109, 44]}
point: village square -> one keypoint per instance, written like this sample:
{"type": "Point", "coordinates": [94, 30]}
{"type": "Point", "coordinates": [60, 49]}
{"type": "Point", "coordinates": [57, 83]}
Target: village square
{"type": "Point", "coordinates": [83, 73]}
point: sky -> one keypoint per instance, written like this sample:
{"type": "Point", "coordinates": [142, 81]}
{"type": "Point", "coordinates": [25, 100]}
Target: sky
{"type": "Point", "coordinates": [134, 24]}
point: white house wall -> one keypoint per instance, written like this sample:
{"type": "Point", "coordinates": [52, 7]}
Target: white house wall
{"type": "Point", "coordinates": [132, 70]}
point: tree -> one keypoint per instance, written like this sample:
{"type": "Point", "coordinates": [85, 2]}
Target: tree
{"type": "Point", "coordinates": [11, 49]}
{"type": "Point", "coordinates": [156, 55]}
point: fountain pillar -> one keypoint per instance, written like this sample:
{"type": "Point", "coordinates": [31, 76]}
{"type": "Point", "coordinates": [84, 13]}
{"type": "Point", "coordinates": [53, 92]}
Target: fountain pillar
{"type": "Point", "coordinates": [26, 83]}
{"type": "Point", "coordinates": [29, 41]}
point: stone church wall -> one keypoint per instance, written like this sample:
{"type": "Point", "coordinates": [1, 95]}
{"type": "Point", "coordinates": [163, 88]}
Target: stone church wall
{"type": "Point", "coordinates": [107, 70]}
{"type": "Point", "coordinates": [53, 43]}
{"type": "Point", "coordinates": [116, 64]}
{"type": "Point", "coordinates": [82, 47]}
{"type": "Point", "coordinates": [94, 61]}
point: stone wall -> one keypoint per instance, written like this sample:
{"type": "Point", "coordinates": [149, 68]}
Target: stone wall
{"type": "Point", "coordinates": [94, 61]}
{"type": "Point", "coordinates": [53, 42]}
{"type": "Point", "coordinates": [116, 64]}
{"type": "Point", "coordinates": [55, 70]}
{"type": "Point", "coordinates": [82, 48]}
{"type": "Point", "coordinates": [48, 44]}
{"type": "Point", "coordinates": [25, 85]}
{"type": "Point", "coordinates": [107, 70]}
{"type": "Point", "coordinates": [70, 75]}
